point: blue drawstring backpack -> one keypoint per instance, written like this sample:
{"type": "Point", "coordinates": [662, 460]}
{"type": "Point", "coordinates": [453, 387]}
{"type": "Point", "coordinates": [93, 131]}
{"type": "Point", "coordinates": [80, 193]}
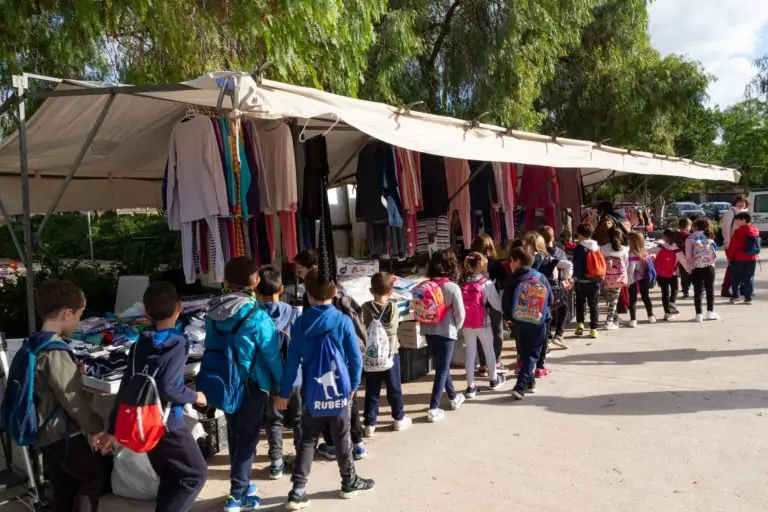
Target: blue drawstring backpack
{"type": "Point", "coordinates": [327, 385]}
{"type": "Point", "coordinates": [18, 411]}
{"type": "Point", "coordinates": [219, 378]}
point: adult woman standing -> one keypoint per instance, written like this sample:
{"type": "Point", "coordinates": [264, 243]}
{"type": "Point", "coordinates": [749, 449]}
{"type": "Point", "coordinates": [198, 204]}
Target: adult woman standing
{"type": "Point", "coordinates": [739, 204]}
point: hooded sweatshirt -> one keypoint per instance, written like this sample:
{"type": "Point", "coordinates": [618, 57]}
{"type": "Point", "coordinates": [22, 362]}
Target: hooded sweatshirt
{"type": "Point", "coordinates": [307, 333]}
{"type": "Point", "coordinates": [580, 259]}
{"type": "Point", "coordinates": [389, 317]}
{"type": "Point", "coordinates": [736, 249]}
{"type": "Point", "coordinates": [59, 394]}
{"type": "Point", "coordinates": [283, 316]}
{"type": "Point", "coordinates": [256, 349]}
{"type": "Point", "coordinates": [164, 352]}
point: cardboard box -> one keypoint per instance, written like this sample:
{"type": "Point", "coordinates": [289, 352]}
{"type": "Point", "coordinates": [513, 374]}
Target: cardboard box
{"type": "Point", "coordinates": [352, 267]}
{"type": "Point", "coordinates": [409, 334]}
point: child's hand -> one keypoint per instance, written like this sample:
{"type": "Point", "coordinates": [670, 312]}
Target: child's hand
{"type": "Point", "coordinates": [201, 400]}
{"type": "Point", "coordinates": [281, 403]}
{"type": "Point", "coordinates": [103, 442]}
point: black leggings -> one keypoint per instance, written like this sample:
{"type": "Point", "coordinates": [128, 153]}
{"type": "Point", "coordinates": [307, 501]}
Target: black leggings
{"type": "Point", "coordinates": [645, 293]}
{"type": "Point", "coordinates": [703, 279]}
{"type": "Point", "coordinates": [668, 291]}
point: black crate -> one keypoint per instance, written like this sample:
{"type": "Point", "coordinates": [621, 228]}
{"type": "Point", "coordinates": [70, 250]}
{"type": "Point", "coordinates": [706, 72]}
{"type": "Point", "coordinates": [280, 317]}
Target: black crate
{"type": "Point", "coordinates": [216, 436]}
{"type": "Point", "coordinates": [414, 363]}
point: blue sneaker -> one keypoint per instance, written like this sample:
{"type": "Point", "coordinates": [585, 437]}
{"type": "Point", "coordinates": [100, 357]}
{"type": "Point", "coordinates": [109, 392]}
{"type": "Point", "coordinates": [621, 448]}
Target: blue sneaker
{"type": "Point", "coordinates": [252, 490]}
{"type": "Point", "coordinates": [245, 504]}
{"type": "Point", "coordinates": [329, 452]}
{"type": "Point", "coordinates": [360, 451]}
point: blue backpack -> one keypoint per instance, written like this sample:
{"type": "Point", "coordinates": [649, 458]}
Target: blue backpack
{"type": "Point", "coordinates": [219, 378]}
{"type": "Point", "coordinates": [752, 245]}
{"type": "Point", "coordinates": [327, 386]}
{"type": "Point", "coordinates": [18, 411]}
{"type": "Point", "coordinates": [531, 300]}
{"type": "Point", "coordinates": [649, 273]}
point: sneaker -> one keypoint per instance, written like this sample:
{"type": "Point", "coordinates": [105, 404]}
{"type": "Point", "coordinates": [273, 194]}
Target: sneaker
{"type": "Point", "coordinates": [500, 369]}
{"type": "Point", "coordinates": [359, 452]}
{"type": "Point", "coordinates": [531, 388]}
{"type": "Point", "coordinates": [276, 472]}
{"type": "Point", "coordinates": [668, 316]}
{"type": "Point", "coordinates": [580, 330]}
{"type": "Point", "coordinates": [245, 504]}
{"type": "Point", "coordinates": [686, 296]}
{"type": "Point", "coordinates": [541, 372]}
{"type": "Point", "coordinates": [403, 424]}
{"type": "Point", "coordinates": [329, 452]}
{"type": "Point", "coordinates": [747, 302]}
{"type": "Point", "coordinates": [711, 315]}
{"type": "Point", "coordinates": [471, 392]}
{"type": "Point", "coordinates": [593, 333]}
{"type": "Point", "coordinates": [370, 430]}
{"type": "Point", "coordinates": [297, 501]}
{"type": "Point", "coordinates": [651, 319]}
{"type": "Point", "coordinates": [358, 487]}
{"type": "Point", "coordinates": [734, 300]}
{"type": "Point", "coordinates": [457, 402]}
{"type": "Point", "coordinates": [517, 394]}
{"type": "Point", "coordinates": [483, 371]}
{"type": "Point", "coordinates": [610, 326]}
{"type": "Point", "coordinates": [698, 318]}
{"type": "Point", "coordinates": [633, 323]}
{"type": "Point", "coordinates": [673, 308]}
{"type": "Point", "coordinates": [501, 381]}
{"type": "Point", "coordinates": [559, 341]}
{"type": "Point", "coordinates": [435, 415]}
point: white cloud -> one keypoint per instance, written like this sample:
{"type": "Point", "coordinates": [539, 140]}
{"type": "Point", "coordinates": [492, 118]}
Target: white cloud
{"type": "Point", "coordinates": [725, 36]}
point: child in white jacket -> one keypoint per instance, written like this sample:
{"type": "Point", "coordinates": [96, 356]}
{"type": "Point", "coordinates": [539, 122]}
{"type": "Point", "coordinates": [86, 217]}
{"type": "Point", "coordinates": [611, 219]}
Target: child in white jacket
{"type": "Point", "coordinates": [479, 295]}
{"type": "Point", "coordinates": [616, 274]}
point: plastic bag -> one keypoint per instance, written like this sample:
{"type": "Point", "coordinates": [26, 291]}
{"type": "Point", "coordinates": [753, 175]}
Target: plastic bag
{"type": "Point", "coordinates": [133, 476]}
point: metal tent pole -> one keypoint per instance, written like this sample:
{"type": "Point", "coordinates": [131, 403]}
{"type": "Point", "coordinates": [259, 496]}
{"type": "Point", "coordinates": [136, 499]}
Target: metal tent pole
{"type": "Point", "coordinates": [75, 165]}
{"type": "Point", "coordinates": [20, 83]}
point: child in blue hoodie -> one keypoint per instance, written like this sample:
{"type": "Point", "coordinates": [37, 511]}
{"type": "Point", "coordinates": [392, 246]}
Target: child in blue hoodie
{"type": "Point", "coordinates": [237, 314]}
{"type": "Point", "coordinates": [319, 321]}
{"type": "Point", "coordinates": [176, 459]}
{"type": "Point", "coordinates": [283, 315]}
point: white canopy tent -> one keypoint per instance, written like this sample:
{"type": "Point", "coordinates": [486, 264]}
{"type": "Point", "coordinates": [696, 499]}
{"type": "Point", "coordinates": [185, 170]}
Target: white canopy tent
{"type": "Point", "coordinates": [94, 145]}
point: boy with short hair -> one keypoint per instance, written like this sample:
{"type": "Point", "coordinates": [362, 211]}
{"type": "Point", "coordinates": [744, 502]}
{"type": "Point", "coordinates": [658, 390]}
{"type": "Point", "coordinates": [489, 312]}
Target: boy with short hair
{"type": "Point", "coordinates": [587, 289]}
{"type": "Point", "coordinates": [384, 309]}
{"type": "Point", "coordinates": [319, 322]}
{"type": "Point", "coordinates": [529, 337]}
{"type": "Point", "coordinates": [65, 416]}
{"type": "Point", "coordinates": [743, 251]}
{"type": "Point", "coordinates": [163, 351]}
{"type": "Point", "coordinates": [270, 288]}
{"type": "Point", "coordinates": [684, 226]}
{"type": "Point", "coordinates": [237, 315]}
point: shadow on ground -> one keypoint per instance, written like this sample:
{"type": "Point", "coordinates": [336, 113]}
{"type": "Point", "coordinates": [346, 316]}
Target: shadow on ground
{"type": "Point", "coordinates": [644, 404]}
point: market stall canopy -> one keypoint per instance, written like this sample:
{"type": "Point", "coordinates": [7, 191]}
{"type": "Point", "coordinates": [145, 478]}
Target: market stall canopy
{"type": "Point", "coordinates": [124, 165]}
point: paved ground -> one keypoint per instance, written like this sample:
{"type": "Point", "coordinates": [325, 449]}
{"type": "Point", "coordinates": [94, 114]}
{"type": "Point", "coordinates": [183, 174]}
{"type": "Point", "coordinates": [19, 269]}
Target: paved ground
{"type": "Point", "coordinates": [669, 416]}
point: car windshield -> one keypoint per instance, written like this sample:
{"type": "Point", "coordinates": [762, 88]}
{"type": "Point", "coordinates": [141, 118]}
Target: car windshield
{"type": "Point", "coordinates": [686, 206]}
{"type": "Point", "coordinates": [721, 206]}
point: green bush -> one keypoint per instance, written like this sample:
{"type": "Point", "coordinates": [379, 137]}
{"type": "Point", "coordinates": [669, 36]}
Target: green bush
{"type": "Point", "coordinates": [98, 282]}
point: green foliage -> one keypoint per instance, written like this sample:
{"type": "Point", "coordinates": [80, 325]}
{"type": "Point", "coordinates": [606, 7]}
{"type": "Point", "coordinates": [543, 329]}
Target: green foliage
{"type": "Point", "coordinates": [142, 243]}
{"type": "Point", "coordinates": [745, 141]}
{"type": "Point", "coordinates": [98, 282]}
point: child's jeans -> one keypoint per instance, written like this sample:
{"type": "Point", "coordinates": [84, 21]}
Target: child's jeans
{"type": "Point", "coordinates": [743, 278]}
{"type": "Point", "coordinates": [586, 293]}
{"type": "Point", "coordinates": [441, 349]}
{"type": "Point", "coordinates": [668, 287]}
{"type": "Point", "coordinates": [276, 421]}
{"type": "Point", "coordinates": [641, 287]}
{"type": "Point", "coordinates": [77, 474]}
{"type": "Point", "coordinates": [243, 431]}
{"type": "Point", "coordinates": [483, 336]}
{"type": "Point", "coordinates": [373, 382]}
{"type": "Point", "coordinates": [530, 338]}
{"type": "Point", "coordinates": [685, 280]}
{"type": "Point", "coordinates": [311, 429]}
{"type": "Point", "coordinates": [355, 428]}
{"type": "Point", "coordinates": [182, 470]}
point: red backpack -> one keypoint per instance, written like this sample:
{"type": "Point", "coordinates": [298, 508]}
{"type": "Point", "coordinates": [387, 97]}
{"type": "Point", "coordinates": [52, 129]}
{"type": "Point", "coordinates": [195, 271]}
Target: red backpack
{"type": "Point", "coordinates": [666, 262]}
{"type": "Point", "coordinates": [140, 419]}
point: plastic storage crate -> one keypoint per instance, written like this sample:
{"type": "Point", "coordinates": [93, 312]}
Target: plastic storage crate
{"type": "Point", "coordinates": [414, 363]}
{"type": "Point", "coordinates": [215, 429]}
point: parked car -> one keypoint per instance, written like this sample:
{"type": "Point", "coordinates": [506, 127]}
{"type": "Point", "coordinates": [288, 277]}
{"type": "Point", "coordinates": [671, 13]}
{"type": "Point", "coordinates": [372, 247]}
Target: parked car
{"type": "Point", "coordinates": [758, 207]}
{"type": "Point", "coordinates": [690, 210]}
{"type": "Point", "coordinates": [715, 210]}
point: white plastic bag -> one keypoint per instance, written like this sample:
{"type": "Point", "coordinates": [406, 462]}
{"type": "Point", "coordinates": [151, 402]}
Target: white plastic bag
{"type": "Point", "coordinates": [133, 476]}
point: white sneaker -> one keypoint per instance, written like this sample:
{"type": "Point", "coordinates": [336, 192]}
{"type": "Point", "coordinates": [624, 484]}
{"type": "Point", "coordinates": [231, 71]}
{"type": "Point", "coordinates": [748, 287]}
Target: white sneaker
{"type": "Point", "coordinates": [668, 316]}
{"type": "Point", "coordinates": [403, 424]}
{"type": "Point", "coordinates": [711, 315]}
{"type": "Point", "coordinates": [633, 323]}
{"type": "Point", "coordinates": [369, 431]}
{"type": "Point", "coordinates": [610, 326]}
{"type": "Point", "coordinates": [651, 319]}
{"type": "Point", "coordinates": [434, 415]}
{"type": "Point", "coordinates": [698, 318]}
{"type": "Point", "coordinates": [673, 308]}
{"type": "Point", "coordinates": [457, 402]}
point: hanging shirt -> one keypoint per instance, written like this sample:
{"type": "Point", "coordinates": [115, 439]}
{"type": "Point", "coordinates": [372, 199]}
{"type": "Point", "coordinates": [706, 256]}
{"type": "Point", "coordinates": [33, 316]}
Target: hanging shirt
{"type": "Point", "coordinates": [279, 166]}
{"type": "Point", "coordinates": [196, 187]}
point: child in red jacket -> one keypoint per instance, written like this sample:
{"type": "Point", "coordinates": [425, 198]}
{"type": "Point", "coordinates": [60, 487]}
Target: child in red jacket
{"type": "Point", "coordinates": [742, 252]}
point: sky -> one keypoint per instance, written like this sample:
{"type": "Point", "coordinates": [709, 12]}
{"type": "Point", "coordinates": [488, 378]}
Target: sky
{"type": "Point", "coordinates": [726, 36]}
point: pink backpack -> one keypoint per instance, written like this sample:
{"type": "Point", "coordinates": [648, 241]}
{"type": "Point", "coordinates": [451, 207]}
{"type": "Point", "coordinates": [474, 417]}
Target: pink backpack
{"type": "Point", "coordinates": [615, 273]}
{"type": "Point", "coordinates": [474, 303]}
{"type": "Point", "coordinates": [428, 303]}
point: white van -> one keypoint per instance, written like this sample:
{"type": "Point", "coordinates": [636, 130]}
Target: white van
{"type": "Point", "coordinates": [758, 208]}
